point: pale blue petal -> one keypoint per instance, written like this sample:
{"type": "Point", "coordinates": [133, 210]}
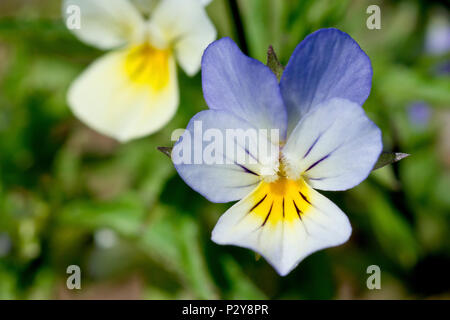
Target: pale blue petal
{"type": "Point", "coordinates": [226, 179]}
{"type": "Point", "coordinates": [334, 146]}
{"type": "Point", "coordinates": [326, 64]}
{"type": "Point", "coordinates": [238, 84]}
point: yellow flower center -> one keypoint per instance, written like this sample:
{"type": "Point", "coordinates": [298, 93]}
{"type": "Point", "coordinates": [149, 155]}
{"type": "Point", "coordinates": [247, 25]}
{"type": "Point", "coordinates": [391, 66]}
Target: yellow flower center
{"type": "Point", "coordinates": [282, 200]}
{"type": "Point", "coordinates": [147, 65]}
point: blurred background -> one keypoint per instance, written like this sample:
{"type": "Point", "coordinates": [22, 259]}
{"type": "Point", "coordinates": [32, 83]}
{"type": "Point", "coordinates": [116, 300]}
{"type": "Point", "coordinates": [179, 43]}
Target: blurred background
{"type": "Point", "coordinates": [69, 196]}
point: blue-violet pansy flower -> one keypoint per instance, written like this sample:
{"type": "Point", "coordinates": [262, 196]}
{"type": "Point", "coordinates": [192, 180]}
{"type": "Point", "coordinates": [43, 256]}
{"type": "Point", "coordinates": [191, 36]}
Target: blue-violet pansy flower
{"type": "Point", "coordinates": [326, 142]}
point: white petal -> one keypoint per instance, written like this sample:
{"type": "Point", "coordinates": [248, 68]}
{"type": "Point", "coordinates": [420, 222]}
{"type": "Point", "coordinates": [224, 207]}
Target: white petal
{"type": "Point", "coordinates": [124, 105]}
{"type": "Point", "coordinates": [105, 24]}
{"type": "Point", "coordinates": [334, 146]}
{"type": "Point", "coordinates": [283, 224]}
{"type": "Point", "coordinates": [205, 2]}
{"type": "Point", "coordinates": [145, 6]}
{"type": "Point", "coordinates": [185, 24]}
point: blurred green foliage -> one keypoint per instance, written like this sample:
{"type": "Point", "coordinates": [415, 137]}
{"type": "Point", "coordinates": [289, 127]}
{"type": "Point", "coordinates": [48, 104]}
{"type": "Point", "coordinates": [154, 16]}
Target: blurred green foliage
{"type": "Point", "coordinates": [71, 196]}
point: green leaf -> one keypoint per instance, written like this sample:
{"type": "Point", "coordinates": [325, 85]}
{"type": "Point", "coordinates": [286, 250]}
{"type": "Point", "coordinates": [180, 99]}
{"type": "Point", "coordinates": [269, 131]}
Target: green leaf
{"type": "Point", "coordinates": [386, 158]}
{"type": "Point", "coordinates": [241, 286]}
{"type": "Point", "coordinates": [393, 232]}
{"type": "Point", "coordinates": [419, 175]}
{"type": "Point", "coordinates": [262, 21]}
{"type": "Point", "coordinates": [166, 150]}
{"type": "Point", "coordinates": [273, 63]}
{"type": "Point", "coordinates": [397, 84]}
{"type": "Point", "coordinates": [8, 284]}
{"type": "Point", "coordinates": [124, 215]}
{"type": "Point", "coordinates": [172, 239]}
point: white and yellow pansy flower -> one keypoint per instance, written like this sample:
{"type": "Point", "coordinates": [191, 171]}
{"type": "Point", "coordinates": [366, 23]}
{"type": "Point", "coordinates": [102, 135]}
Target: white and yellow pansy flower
{"type": "Point", "coordinates": [132, 91]}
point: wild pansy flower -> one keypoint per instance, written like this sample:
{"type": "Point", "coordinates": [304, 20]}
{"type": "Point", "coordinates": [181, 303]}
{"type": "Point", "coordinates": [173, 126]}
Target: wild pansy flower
{"type": "Point", "coordinates": [132, 91]}
{"type": "Point", "coordinates": [326, 143]}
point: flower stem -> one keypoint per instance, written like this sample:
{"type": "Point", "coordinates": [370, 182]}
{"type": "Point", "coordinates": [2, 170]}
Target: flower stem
{"type": "Point", "coordinates": [234, 8]}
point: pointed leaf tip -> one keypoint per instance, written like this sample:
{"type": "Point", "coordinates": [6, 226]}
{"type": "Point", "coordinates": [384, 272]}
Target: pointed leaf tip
{"type": "Point", "coordinates": [273, 63]}
{"type": "Point", "coordinates": [388, 158]}
{"type": "Point", "coordinates": [166, 150]}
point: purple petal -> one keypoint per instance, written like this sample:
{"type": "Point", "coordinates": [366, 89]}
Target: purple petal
{"type": "Point", "coordinates": [243, 86]}
{"type": "Point", "coordinates": [326, 64]}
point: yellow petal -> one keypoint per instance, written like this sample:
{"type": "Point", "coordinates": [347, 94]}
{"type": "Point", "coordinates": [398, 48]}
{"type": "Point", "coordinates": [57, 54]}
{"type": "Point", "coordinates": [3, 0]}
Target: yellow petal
{"type": "Point", "coordinates": [146, 65]}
